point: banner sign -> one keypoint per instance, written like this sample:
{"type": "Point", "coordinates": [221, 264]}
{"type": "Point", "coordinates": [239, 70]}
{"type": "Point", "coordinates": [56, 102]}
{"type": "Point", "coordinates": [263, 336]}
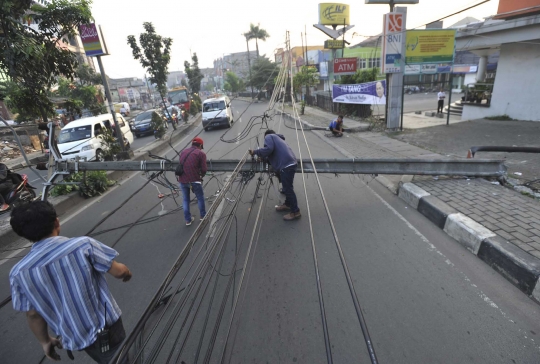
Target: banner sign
{"type": "Point", "coordinates": [92, 42]}
{"type": "Point", "coordinates": [430, 46]}
{"type": "Point", "coordinates": [333, 44]}
{"type": "Point", "coordinates": [345, 66]}
{"type": "Point", "coordinates": [323, 70]}
{"type": "Point", "coordinates": [394, 36]}
{"type": "Point", "coordinates": [370, 93]}
{"type": "Point", "coordinates": [334, 14]}
{"type": "Point", "coordinates": [428, 69]}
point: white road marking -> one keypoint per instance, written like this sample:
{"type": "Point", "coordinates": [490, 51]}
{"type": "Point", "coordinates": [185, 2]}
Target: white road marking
{"type": "Point", "coordinates": [479, 292]}
{"type": "Point", "coordinates": [237, 141]}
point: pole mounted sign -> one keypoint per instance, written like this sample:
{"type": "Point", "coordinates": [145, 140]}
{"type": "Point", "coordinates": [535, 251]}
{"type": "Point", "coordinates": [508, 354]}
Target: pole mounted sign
{"type": "Point", "coordinates": [345, 66]}
{"type": "Point", "coordinates": [333, 44]}
{"type": "Point", "coordinates": [394, 37]}
{"type": "Point", "coordinates": [92, 40]}
{"type": "Point", "coordinates": [334, 14]}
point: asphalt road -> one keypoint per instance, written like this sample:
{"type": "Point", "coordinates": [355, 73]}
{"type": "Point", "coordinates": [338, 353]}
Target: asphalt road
{"type": "Point", "coordinates": [425, 299]}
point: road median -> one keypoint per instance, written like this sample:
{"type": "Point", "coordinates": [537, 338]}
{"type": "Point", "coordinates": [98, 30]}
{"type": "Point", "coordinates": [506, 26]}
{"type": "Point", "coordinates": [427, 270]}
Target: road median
{"type": "Point", "coordinates": [66, 202]}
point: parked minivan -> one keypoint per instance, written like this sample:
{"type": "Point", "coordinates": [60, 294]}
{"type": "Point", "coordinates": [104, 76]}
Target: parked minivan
{"type": "Point", "coordinates": [80, 138]}
{"type": "Point", "coordinates": [217, 112]}
{"type": "Point", "coordinates": [119, 105]}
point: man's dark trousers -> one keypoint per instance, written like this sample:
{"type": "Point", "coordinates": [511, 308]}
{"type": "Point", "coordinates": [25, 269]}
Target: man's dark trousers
{"type": "Point", "coordinates": [440, 106]}
{"type": "Point", "coordinates": [287, 179]}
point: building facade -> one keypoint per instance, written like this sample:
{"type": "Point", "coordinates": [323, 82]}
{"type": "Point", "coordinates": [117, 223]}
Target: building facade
{"type": "Point", "coordinates": [515, 33]}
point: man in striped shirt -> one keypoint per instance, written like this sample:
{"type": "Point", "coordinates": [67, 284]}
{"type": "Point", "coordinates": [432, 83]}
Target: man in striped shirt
{"type": "Point", "coordinates": [61, 285]}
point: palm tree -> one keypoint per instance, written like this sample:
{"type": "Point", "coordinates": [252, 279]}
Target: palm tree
{"type": "Point", "coordinates": [256, 32]}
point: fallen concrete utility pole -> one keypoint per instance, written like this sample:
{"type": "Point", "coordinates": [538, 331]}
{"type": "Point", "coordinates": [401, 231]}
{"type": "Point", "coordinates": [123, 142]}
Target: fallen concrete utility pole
{"type": "Point", "coordinates": [433, 167]}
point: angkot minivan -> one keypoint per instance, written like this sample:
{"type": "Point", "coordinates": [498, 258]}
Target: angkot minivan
{"type": "Point", "coordinates": [217, 112]}
{"type": "Point", "coordinates": [80, 138]}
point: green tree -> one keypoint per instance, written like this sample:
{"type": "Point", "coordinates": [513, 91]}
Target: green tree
{"type": "Point", "coordinates": [31, 60]}
{"type": "Point", "coordinates": [262, 73]}
{"type": "Point", "coordinates": [256, 32]}
{"type": "Point", "coordinates": [194, 74]}
{"type": "Point", "coordinates": [82, 92]}
{"type": "Point", "coordinates": [154, 54]}
{"type": "Point", "coordinates": [87, 76]}
{"type": "Point", "coordinates": [233, 83]}
{"type": "Point", "coordinates": [307, 77]}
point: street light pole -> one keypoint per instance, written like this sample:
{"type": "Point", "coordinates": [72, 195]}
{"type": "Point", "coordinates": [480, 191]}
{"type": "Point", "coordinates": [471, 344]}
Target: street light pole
{"type": "Point", "coordinates": [119, 135]}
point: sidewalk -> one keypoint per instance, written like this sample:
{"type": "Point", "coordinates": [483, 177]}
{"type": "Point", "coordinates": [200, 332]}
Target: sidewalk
{"type": "Point", "coordinates": [498, 224]}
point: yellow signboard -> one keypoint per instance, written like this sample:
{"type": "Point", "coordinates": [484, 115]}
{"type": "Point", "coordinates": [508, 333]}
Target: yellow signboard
{"type": "Point", "coordinates": [430, 46]}
{"type": "Point", "coordinates": [334, 14]}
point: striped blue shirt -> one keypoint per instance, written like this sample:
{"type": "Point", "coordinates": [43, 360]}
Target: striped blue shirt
{"type": "Point", "coordinates": [63, 280]}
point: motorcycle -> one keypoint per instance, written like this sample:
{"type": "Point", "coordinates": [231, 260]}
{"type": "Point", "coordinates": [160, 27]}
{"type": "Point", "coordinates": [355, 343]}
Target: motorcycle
{"type": "Point", "coordinates": [185, 115]}
{"type": "Point", "coordinates": [21, 192]}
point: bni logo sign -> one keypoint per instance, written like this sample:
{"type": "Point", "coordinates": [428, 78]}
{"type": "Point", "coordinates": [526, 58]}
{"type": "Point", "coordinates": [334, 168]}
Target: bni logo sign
{"type": "Point", "coordinates": [394, 23]}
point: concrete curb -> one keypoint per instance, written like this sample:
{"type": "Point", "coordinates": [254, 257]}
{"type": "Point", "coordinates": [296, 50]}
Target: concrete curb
{"type": "Point", "coordinates": [63, 203]}
{"type": "Point", "coordinates": [516, 265]}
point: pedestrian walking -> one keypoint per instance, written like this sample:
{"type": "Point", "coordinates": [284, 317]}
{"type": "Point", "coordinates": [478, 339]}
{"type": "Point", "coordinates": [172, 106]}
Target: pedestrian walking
{"type": "Point", "coordinates": [440, 97]}
{"type": "Point", "coordinates": [61, 286]}
{"type": "Point", "coordinates": [282, 159]}
{"type": "Point", "coordinates": [193, 160]}
{"type": "Point", "coordinates": [336, 126]}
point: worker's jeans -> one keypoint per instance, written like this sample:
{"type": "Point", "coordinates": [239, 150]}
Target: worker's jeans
{"type": "Point", "coordinates": [198, 191]}
{"type": "Point", "coordinates": [287, 180]}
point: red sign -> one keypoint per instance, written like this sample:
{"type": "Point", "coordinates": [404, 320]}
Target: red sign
{"type": "Point", "coordinates": [345, 66]}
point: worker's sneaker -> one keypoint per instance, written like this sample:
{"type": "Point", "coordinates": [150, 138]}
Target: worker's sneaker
{"type": "Point", "coordinates": [282, 208]}
{"type": "Point", "coordinates": [292, 216]}
{"type": "Point", "coordinates": [190, 221]}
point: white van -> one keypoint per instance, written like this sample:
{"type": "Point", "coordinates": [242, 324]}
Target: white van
{"type": "Point", "coordinates": [80, 138]}
{"type": "Point", "coordinates": [217, 112]}
{"type": "Point", "coordinates": [119, 105]}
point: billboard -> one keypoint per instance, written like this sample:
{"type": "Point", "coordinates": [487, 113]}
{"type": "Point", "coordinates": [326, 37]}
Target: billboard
{"type": "Point", "coordinates": [370, 93]}
{"type": "Point", "coordinates": [334, 14]}
{"type": "Point", "coordinates": [430, 46]}
{"type": "Point", "coordinates": [393, 38]}
{"type": "Point", "coordinates": [345, 66]}
{"type": "Point", "coordinates": [395, 2]}
{"type": "Point", "coordinates": [92, 41]}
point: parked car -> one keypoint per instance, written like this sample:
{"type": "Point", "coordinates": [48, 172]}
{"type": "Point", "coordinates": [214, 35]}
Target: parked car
{"type": "Point", "coordinates": [412, 90]}
{"type": "Point", "coordinates": [80, 138]}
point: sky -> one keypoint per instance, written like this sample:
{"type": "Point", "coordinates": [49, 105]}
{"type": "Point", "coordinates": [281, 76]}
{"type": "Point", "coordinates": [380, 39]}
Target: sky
{"type": "Point", "coordinates": [213, 28]}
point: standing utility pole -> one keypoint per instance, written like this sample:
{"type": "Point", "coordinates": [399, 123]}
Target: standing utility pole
{"type": "Point", "coordinates": [119, 135]}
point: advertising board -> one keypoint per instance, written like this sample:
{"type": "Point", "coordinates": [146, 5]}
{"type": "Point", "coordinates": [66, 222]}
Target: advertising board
{"type": "Point", "coordinates": [345, 66]}
{"type": "Point", "coordinates": [370, 93]}
{"type": "Point", "coordinates": [334, 14]}
{"type": "Point", "coordinates": [393, 38]}
{"type": "Point", "coordinates": [92, 41]}
{"type": "Point", "coordinates": [430, 46]}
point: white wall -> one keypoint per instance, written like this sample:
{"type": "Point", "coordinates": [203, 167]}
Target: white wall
{"type": "Point", "coordinates": [517, 85]}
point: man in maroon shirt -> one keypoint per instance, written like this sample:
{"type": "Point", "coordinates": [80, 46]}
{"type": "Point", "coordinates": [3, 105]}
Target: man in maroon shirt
{"type": "Point", "coordinates": [194, 160]}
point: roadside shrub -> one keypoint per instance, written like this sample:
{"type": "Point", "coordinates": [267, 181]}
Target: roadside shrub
{"type": "Point", "coordinates": [96, 183]}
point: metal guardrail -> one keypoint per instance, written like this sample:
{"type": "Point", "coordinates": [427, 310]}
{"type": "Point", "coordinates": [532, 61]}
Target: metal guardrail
{"type": "Point", "coordinates": [433, 167]}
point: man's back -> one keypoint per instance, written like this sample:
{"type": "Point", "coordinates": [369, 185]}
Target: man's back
{"type": "Point", "coordinates": [194, 161]}
{"type": "Point", "coordinates": [62, 279]}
